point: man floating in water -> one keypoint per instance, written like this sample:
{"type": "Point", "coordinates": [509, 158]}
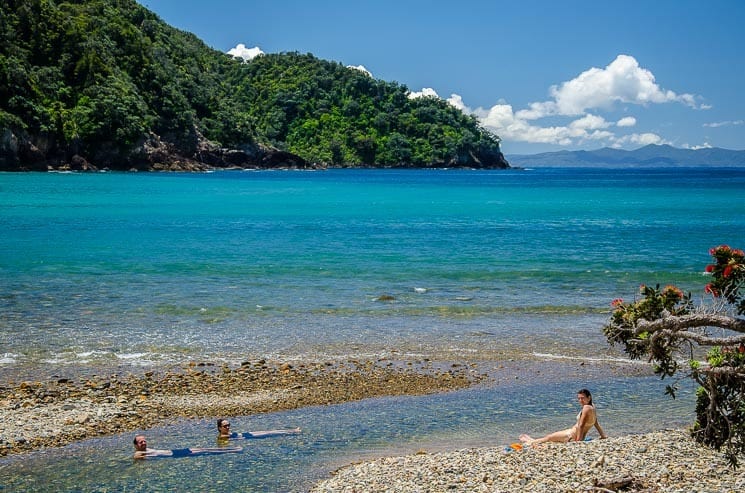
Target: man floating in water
{"type": "Point", "coordinates": [143, 452]}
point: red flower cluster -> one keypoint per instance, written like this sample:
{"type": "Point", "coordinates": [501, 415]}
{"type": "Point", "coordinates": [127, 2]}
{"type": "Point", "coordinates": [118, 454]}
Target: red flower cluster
{"type": "Point", "coordinates": [727, 271]}
{"type": "Point", "coordinates": [725, 249]}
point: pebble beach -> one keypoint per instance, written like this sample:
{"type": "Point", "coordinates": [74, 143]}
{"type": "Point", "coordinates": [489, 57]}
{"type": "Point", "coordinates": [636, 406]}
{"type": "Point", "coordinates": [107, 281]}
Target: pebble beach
{"type": "Point", "coordinates": [665, 461]}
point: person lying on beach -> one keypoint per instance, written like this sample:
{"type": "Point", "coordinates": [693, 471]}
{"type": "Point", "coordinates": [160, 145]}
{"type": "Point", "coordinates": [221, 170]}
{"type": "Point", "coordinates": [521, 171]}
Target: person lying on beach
{"type": "Point", "coordinates": [586, 419]}
{"type": "Point", "coordinates": [142, 452]}
{"type": "Point", "coordinates": [223, 430]}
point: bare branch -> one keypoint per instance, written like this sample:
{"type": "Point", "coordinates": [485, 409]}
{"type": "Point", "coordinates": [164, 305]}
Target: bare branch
{"type": "Point", "coordinates": [677, 324]}
{"type": "Point", "coordinates": [702, 339]}
{"type": "Point", "coordinates": [723, 370]}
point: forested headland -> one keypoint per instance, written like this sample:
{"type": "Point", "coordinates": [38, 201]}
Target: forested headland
{"type": "Point", "coordinates": [106, 84]}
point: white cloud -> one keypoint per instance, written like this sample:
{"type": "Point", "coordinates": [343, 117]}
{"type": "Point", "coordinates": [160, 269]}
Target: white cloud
{"type": "Point", "coordinates": [594, 90]}
{"type": "Point", "coordinates": [425, 92]}
{"type": "Point", "coordinates": [627, 121]}
{"type": "Point", "coordinates": [705, 145]}
{"type": "Point", "coordinates": [361, 68]}
{"type": "Point", "coordinates": [537, 111]}
{"type": "Point", "coordinates": [589, 122]}
{"type": "Point", "coordinates": [724, 124]}
{"type": "Point", "coordinates": [623, 81]}
{"type": "Point", "coordinates": [240, 51]}
{"type": "Point", "coordinates": [640, 139]}
{"type": "Point", "coordinates": [457, 101]}
{"type": "Point", "coordinates": [509, 126]}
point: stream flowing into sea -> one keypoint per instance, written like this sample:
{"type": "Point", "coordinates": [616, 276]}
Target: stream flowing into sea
{"type": "Point", "coordinates": [115, 271]}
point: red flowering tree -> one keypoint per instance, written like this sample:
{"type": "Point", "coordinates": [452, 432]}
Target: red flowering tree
{"type": "Point", "coordinates": [705, 343]}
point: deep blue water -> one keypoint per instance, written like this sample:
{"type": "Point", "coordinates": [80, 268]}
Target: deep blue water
{"type": "Point", "coordinates": [141, 269]}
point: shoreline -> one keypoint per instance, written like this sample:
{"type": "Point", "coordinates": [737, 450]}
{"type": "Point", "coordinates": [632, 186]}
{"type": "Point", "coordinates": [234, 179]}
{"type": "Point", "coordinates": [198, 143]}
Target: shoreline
{"type": "Point", "coordinates": [663, 461]}
{"type": "Point", "coordinates": [54, 410]}
{"type": "Point", "coordinates": [37, 414]}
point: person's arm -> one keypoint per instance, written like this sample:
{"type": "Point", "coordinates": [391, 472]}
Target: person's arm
{"type": "Point", "coordinates": [152, 452]}
{"type": "Point", "coordinates": [600, 429]}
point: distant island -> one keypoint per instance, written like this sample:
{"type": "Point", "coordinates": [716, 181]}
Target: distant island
{"type": "Point", "coordinates": [651, 156]}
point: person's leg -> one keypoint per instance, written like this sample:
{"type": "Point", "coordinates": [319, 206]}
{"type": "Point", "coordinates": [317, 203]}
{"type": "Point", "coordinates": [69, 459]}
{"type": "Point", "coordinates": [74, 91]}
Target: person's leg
{"type": "Point", "coordinates": [270, 433]}
{"type": "Point", "coordinates": [213, 450]}
{"type": "Point", "coordinates": [558, 436]}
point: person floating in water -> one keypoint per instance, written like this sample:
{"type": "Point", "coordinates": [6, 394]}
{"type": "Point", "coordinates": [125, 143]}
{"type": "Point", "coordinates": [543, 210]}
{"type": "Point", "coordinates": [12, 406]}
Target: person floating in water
{"type": "Point", "coordinates": [586, 419]}
{"type": "Point", "coordinates": [143, 452]}
{"type": "Point", "coordinates": [224, 433]}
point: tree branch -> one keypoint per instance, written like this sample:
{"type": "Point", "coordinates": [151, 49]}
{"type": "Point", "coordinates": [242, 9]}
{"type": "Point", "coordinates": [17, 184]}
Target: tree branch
{"type": "Point", "coordinates": [723, 370]}
{"type": "Point", "coordinates": [702, 339]}
{"type": "Point", "coordinates": [678, 324]}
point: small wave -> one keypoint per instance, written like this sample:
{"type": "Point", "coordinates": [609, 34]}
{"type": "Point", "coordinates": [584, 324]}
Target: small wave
{"type": "Point", "coordinates": [127, 356]}
{"type": "Point", "coordinates": [601, 359]}
{"type": "Point", "coordinates": [8, 359]}
{"type": "Point", "coordinates": [98, 356]}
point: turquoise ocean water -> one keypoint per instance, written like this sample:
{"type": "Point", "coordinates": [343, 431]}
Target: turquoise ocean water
{"type": "Point", "coordinates": [119, 270]}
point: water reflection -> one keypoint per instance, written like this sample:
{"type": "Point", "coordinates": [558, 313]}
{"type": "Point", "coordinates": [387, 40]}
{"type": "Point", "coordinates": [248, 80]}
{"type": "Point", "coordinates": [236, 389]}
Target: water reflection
{"type": "Point", "coordinates": [336, 435]}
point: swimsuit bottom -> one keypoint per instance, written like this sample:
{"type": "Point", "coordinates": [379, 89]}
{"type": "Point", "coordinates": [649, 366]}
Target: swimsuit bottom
{"type": "Point", "coordinates": [181, 452]}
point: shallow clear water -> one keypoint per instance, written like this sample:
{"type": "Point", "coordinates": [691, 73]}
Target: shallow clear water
{"type": "Point", "coordinates": [336, 435]}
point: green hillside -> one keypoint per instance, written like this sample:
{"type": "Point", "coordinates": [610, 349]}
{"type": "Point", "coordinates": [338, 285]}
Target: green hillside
{"type": "Point", "coordinates": [106, 83]}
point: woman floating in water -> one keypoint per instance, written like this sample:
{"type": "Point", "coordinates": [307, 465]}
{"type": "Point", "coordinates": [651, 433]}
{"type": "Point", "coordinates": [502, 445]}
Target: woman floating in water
{"type": "Point", "coordinates": [586, 419]}
{"type": "Point", "coordinates": [223, 429]}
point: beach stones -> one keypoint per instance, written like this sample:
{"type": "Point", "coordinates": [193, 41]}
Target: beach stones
{"type": "Point", "coordinates": [673, 463]}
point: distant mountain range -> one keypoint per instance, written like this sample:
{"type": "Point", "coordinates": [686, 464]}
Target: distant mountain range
{"type": "Point", "coordinates": [647, 156]}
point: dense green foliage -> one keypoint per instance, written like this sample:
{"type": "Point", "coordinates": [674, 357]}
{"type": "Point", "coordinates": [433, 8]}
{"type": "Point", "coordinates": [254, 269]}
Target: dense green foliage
{"type": "Point", "coordinates": [329, 113]}
{"type": "Point", "coordinates": [665, 326]}
{"type": "Point", "coordinates": [93, 77]}
{"type": "Point", "coordinates": [96, 78]}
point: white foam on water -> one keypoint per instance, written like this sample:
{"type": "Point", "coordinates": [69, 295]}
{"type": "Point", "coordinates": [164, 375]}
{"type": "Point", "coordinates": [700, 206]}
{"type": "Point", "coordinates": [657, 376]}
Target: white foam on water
{"type": "Point", "coordinates": [8, 358]}
{"type": "Point", "coordinates": [601, 359]}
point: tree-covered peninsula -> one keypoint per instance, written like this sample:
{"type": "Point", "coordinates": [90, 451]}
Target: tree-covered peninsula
{"type": "Point", "coordinates": [93, 84]}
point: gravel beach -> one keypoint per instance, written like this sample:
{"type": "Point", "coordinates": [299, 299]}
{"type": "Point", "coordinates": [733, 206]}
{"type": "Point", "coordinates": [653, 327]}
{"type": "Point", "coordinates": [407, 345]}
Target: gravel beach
{"type": "Point", "coordinates": [665, 461]}
{"type": "Point", "coordinates": [35, 414]}
{"type": "Point", "coordinates": [52, 412]}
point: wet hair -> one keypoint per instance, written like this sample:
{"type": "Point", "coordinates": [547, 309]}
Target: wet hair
{"type": "Point", "coordinates": [134, 440]}
{"type": "Point", "coordinates": [219, 422]}
{"type": "Point", "coordinates": [586, 393]}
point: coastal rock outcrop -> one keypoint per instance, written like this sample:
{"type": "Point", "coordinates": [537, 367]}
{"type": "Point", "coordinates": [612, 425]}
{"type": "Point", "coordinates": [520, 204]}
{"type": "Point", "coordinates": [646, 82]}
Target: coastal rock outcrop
{"type": "Point", "coordinates": [21, 152]}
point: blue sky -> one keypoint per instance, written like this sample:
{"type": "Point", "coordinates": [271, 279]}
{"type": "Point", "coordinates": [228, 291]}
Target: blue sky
{"type": "Point", "coordinates": [543, 75]}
